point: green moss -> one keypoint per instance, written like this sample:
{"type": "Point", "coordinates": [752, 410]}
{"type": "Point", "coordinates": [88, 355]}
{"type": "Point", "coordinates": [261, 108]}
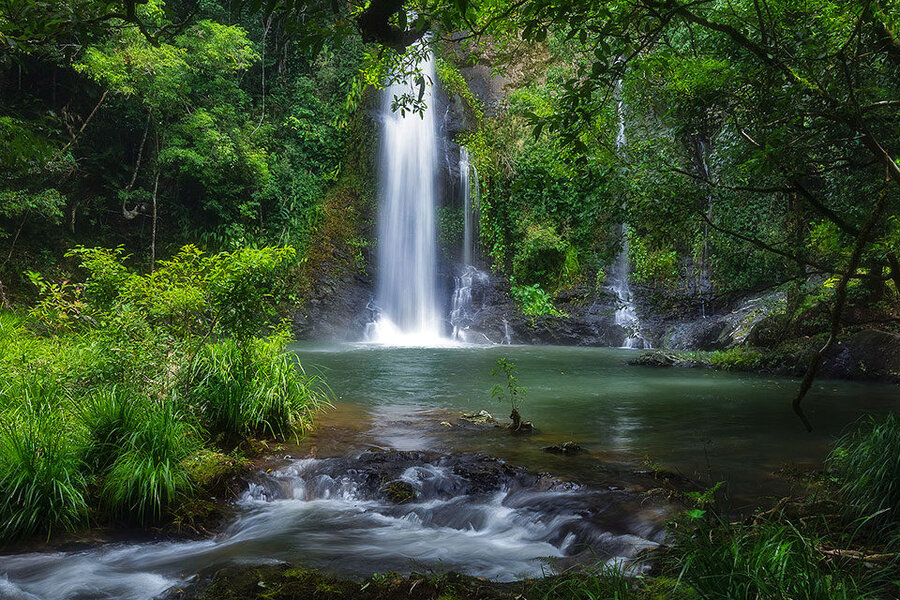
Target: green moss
{"type": "Point", "coordinates": [399, 492]}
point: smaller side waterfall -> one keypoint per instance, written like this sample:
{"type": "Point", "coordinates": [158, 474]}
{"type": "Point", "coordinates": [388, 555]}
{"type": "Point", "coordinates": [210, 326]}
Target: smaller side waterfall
{"type": "Point", "coordinates": [464, 168]}
{"type": "Point", "coordinates": [470, 190]}
{"type": "Point", "coordinates": [625, 315]}
{"type": "Point", "coordinates": [463, 310]}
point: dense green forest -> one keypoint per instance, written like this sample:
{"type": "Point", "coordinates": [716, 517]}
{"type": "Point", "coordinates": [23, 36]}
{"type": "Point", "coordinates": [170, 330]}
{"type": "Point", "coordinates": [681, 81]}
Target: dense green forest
{"type": "Point", "coordinates": [185, 184]}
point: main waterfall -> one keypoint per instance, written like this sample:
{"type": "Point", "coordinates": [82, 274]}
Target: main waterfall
{"type": "Point", "coordinates": [406, 304]}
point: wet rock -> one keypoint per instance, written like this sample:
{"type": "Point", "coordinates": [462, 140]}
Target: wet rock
{"type": "Point", "coordinates": [482, 417]}
{"type": "Point", "coordinates": [339, 312]}
{"type": "Point", "coordinates": [523, 428]}
{"type": "Point", "coordinates": [565, 449]}
{"type": "Point", "coordinates": [869, 354]}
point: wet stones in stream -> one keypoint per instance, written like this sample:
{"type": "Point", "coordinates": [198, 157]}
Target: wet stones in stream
{"type": "Point", "coordinates": [473, 496]}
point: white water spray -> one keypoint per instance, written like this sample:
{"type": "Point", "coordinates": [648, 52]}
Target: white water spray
{"type": "Point", "coordinates": [406, 295]}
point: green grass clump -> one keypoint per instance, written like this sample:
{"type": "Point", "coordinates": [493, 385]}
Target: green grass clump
{"type": "Point", "coordinates": [767, 561]}
{"type": "Point", "coordinates": [253, 387]}
{"type": "Point", "coordinates": [150, 476]}
{"type": "Point", "coordinates": [607, 582]}
{"type": "Point", "coordinates": [41, 482]}
{"type": "Point", "coordinates": [867, 463]}
{"type": "Point", "coordinates": [110, 417]}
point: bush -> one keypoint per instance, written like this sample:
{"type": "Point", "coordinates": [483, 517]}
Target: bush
{"type": "Point", "coordinates": [253, 387]}
{"type": "Point", "coordinates": [534, 301]}
{"type": "Point", "coordinates": [41, 485]}
{"type": "Point", "coordinates": [150, 477]}
{"type": "Point", "coordinates": [867, 461]}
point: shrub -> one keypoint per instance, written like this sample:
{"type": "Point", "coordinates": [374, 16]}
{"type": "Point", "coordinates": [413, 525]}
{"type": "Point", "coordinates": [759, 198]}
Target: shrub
{"type": "Point", "coordinates": [867, 461]}
{"type": "Point", "coordinates": [150, 477]}
{"type": "Point", "coordinates": [533, 300]}
{"type": "Point", "coordinates": [41, 485]}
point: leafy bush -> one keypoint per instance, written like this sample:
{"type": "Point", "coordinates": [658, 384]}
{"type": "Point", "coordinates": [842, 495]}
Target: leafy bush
{"type": "Point", "coordinates": [41, 484]}
{"type": "Point", "coordinates": [534, 301]}
{"type": "Point", "coordinates": [540, 257]}
{"type": "Point", "coordinates": [867, 461]}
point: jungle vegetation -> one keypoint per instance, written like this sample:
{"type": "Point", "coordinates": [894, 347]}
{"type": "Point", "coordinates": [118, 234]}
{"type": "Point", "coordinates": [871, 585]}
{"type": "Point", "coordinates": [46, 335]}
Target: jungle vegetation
{"type": "Point", "coordinates": [173, 170]}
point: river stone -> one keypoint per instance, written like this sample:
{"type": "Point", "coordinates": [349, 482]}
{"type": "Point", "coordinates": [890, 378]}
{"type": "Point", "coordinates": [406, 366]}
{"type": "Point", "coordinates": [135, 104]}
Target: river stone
{"type": "Point", "coordinates": [482, 417]}
{"type": "Point", "coordinates": [399, 492]}
{"type": "Point", "coordinates": [565, 449]}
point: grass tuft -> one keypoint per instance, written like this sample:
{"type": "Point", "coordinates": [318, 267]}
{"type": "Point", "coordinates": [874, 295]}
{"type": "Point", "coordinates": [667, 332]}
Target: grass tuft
{"type": "Point", "coordinates": [41, 485]}
{"type": "Point", "coordinates": [867, 462]}
{"type": "Point", "coordinates": [150, 477]}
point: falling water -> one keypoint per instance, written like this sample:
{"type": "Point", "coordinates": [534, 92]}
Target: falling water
{"type": "Point", "coordinates": [466, 192]}
{"type": "Point", "coordinates": [625, 315]}
{"type": "Point", "coordinates": [463, 310]}
{"type": "Point", "coordinates": [406, 294]}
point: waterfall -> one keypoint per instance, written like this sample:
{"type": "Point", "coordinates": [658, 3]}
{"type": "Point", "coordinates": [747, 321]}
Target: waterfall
{"type": "Point", "coordinates": [463, 310]}
{"type": "Point", "coordinates": [406, 303]}
{"type": "Point", "coordinates": [467, 204]}
{"type": "Point", "coordinates": [625, 315]}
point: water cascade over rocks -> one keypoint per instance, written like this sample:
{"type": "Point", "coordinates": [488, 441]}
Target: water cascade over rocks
{"type": "Point", "coordinates": [377, 512]}
{"type": "Point", "coordinates": [406, 304]}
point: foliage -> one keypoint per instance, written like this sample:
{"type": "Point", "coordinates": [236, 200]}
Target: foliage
{"type": "Point", "coordinates": [229, 293]}
{"type": "Point", "coordinates": [107, 388]}
{"type": "Point", "coordinates": [740, 358]}
{"type": "Point", "coordinates": [454, 83]}
{"type": "Point", "coordinates": [867, 464]}
{"type": "Point", "coordinates": [533, 300]}
{"type": "Point", "coordinates": [150, 476]}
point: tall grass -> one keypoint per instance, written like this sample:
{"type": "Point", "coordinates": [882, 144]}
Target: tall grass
{"type": "Point", "coordinates": [150, 476]}
{"type": "Point", "coordinates": [606, 582]}
{"type": "Point", "coordinates": [867, 462]}
{"type": "Point", "coordinates": [41, 481]}
{"type": "Point", "coordinates": [110, 416]}
{"type": "Point", "coordinates": [253, 387]}
{"type": "Point", "coordinates": [772, 561]}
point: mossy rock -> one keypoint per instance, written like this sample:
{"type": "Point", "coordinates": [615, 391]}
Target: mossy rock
{"type": "Point", "coordinates": [399, 492]}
